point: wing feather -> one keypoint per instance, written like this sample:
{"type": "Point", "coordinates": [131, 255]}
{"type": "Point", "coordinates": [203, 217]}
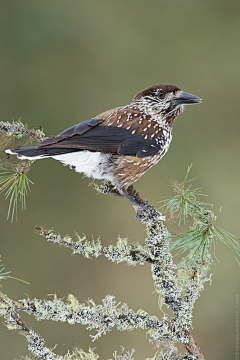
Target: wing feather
{"type": "Point", "coordinates": [95, 135]}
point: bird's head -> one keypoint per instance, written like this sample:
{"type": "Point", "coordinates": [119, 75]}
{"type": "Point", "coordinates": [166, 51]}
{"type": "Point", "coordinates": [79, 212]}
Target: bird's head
{"type": "Point", "coordinates": [166, 100]}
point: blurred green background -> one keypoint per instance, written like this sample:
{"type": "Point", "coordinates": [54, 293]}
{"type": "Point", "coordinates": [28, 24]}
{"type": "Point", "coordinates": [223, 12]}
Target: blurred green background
{"type": "Point", "coordinates": [63, 62]}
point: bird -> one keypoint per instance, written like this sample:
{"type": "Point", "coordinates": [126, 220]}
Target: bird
{"type": "Point", "coordinates": [121, 144]}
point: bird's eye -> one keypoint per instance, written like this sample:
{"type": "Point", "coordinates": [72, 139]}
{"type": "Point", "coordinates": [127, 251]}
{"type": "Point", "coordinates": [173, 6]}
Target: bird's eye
{"type": "Point", "coordinates": [161, 94]}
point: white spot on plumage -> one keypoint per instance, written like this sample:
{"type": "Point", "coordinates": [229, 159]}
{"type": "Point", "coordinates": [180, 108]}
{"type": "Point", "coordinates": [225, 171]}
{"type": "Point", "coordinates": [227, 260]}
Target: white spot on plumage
{"type": "Point", "coordinates": [145, 137]}
{"type": "Point", "coordinates": [128, 127]}
{"type": "Point", "coordinates": [133, 132]}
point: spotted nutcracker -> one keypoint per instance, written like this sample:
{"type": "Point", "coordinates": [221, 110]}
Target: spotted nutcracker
{"type": "Point", "coordinates": [121, 144]}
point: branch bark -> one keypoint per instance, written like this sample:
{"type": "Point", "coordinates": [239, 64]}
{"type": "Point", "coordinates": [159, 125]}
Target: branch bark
{"type": "Point", "coordinates": [193, 348]}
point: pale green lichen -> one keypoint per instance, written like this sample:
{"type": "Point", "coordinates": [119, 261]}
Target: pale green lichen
{"type": "Point", "coordinates": [18, 130]}
{"type": "Point", "coordinates": [178, 289]}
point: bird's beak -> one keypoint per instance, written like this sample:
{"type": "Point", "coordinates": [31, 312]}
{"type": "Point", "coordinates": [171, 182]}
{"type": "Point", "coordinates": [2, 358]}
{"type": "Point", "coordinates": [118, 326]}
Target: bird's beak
{"type": "Point", "coordinates": [186, 99]}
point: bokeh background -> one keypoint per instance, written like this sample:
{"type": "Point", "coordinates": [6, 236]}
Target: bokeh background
{"type": "Point", "coordinates": [63, 62]}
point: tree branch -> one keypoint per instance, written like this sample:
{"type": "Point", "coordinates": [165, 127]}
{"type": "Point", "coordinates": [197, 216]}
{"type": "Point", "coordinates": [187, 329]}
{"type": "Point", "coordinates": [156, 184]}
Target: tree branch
{"type": "Point", "coordinates": [156, 251]}
{"type": "Point", "coordinates": [193, 348]}
{"type": "Point", "coordinates": [19, 130]}
{"type": "Point", "coordinates": [14, 322]}
{"type": "Point", "coordinates": [177, 288]}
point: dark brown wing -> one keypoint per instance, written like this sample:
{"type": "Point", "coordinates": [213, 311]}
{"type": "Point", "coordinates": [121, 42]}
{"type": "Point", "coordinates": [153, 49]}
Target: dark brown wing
{"type": "Point", "coordinates": [78, 129]}
{"type": "Point", "coordinates": [110, 132]}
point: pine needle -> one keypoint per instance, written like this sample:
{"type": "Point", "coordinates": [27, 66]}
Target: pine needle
{"type": "Point", "coordinates": [16, 184]}
{"type": "Point", "coordinates": [5, 276]}
{"type": "Point", "coordinates": [197, 246]}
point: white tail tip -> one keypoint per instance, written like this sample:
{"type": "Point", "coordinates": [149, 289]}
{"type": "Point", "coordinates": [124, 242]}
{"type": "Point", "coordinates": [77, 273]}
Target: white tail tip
{"type": "Point", "coordinates": [8, 151]}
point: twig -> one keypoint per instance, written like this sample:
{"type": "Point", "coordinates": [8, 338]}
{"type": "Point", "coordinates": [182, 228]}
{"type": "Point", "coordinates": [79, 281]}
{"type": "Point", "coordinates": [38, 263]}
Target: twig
{"type": "Point", "coordinates": [19, 130]}
{"type": "Point", "coordinates": [156, 251]}
{"type": "Point", "coordinates": [14, 321]}
{"type": "Point", "coordinates": [193, 348]}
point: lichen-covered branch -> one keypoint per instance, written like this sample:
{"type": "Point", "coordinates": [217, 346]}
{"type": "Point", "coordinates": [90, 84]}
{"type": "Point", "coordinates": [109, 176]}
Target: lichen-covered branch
{"type": "Point", "coordinates": [193, 348]}
{"type": "Point", "coordinates": [177, 289]}
{"type": "Point", "coordinates": [180, 299]}
{"type": "Point", "coordinates": [156, 251]}
{"type": "Point", "coordinates": [18, 129]}
{"type": "Point", "coordinates": [100, 317]}
{"type": "Point", "coordinates": [132, 254]}
{"type": "Point", "coordinates": [8, 309]}
{"type": "Point", "coordinates": [36, 344]}
{"type": "Point", "coordinates": [103, 317]}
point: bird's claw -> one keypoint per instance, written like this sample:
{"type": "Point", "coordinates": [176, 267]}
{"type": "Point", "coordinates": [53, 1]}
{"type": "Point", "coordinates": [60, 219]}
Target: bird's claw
{"type": "Point", "coordinates": [143, 209]}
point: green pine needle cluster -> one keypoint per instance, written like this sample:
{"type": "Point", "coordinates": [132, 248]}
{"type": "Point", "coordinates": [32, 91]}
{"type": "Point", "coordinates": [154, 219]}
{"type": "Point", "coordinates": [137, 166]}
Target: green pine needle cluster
{"type": "Point", "coordinates": [14, 181]}
{"type": "Point", "coordinates": [15, 184]}
{"type": "Point", "coordinates": [197, 246]}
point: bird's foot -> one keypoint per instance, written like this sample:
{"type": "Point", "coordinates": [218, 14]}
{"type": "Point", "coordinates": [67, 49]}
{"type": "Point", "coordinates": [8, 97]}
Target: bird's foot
{"type": "Point", "coordinates": [144, 209]}
{"type": "Point", "coordinates": [107, 188]}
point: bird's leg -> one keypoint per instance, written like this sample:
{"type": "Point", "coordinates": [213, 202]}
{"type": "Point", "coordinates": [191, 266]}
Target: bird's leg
{"type": "Point", "coordinates": [132, 195]}
{"type": "Point", "coordinates": [109, 188]}
{"type": "Point", "coordinates": [133, 201]}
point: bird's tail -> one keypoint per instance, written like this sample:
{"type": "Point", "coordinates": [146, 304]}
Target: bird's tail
{"type": "Point", "coordinates": [29, 152]}
{"type": "Point", "coordinates": [36, 152]}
